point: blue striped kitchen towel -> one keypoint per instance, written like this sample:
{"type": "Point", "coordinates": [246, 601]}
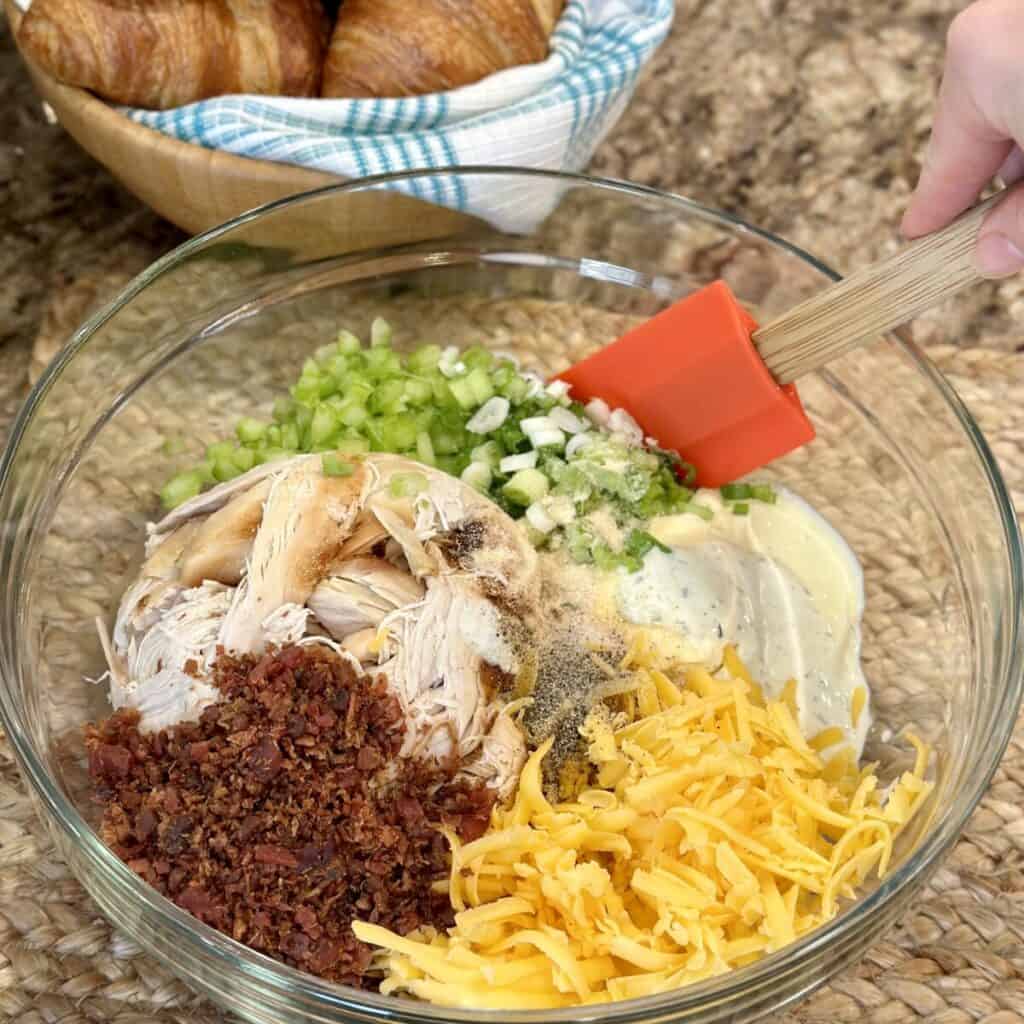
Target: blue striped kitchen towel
{"type": "Point", "coordinates": [550, 115]}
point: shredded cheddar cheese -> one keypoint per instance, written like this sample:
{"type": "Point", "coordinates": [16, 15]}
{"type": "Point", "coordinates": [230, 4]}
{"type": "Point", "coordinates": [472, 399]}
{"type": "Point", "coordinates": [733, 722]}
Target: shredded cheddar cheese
{"type": "Point", "coordinates": [711, 834]}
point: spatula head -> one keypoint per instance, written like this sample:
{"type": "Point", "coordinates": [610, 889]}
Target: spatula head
{"type": "Point", "coordinates": [692, 378]}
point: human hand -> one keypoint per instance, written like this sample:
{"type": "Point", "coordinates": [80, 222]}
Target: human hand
{"type": "Point", "coordinates": [978, 132]}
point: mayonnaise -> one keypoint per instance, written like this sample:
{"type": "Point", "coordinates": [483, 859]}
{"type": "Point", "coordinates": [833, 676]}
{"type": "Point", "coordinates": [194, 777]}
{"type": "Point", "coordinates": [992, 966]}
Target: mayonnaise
{"type": "Point", "coordinates": [780, 584]}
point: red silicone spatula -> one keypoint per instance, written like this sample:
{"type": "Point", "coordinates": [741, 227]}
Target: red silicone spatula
{"type": "Point", "coordinates": [706, 381]}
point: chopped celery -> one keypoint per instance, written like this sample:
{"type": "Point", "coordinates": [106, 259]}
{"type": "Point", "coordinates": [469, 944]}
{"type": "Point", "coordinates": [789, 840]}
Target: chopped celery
{"type": "Point", "coordinates": [479, 382]}
{"type": "Point", "coordinates": [388, 397]}
{"type": "Point", "coordinates": [323, 426]}
{"type": "Point", "coordinates": [464, 392]}
{"type": "Point", "coordinates": [325, 353]}
{"type": "Point", "coordinates": [337, 367]}
{"type": "Point", "coordinates": [453, 465]}
{"type": "Point", "coordinates": [352, 413]}
{"type": "Point", "coordinates": [490, 453]}
{"type": "Point", "coordinates": [244, 459]}
{"type": "Point", "coordinates": [477, 357]}
{"type": "Point", "coordinates": [334, 466]}
{"type": "Point", "coordinates": [352, 446]}
{"type": "Point", "coordinates": [446, 441]}
{"type": "Point", "coordinates": [526, 487]}
{"type": "Point", "coordinates": [307, 390]}
{"type": "Point", "coordinates": [283, 410]}
{"type": "Point", "coordinates": [418, 392]}
{"type": "Point", "coordinates": [250, 431]}
{"type": "Point", "coordinates": [407, 485]}
{"type": "Point", "coordinates": [516, 389]}
{"type": "Point", "coordinates": [741, 508]}
{"type": "Point", "coordinates": [358, 390]}
{"type": "Point", "coordinates": [380, 333]}
{"type": "Point", "coordinates": [180, 488]}
{"type": "Point", "coordinates": [271, 454]}
{"type": "Point", "coordinates": [438, 405]}
{"type": "Point", "coordinates": [425, 448]}
{"type": "Point", "coordinates": [348, 343]}
{"type": "Point", "coordinates": [398, 433]}
{"type": "Point", "coordinates": [290, 437]}
{"type": "Point", "coordinates": [219, 451]}
{"type": "Point", "coordinates": [225, 469]}
{"type": "Point", "coordinates": [478, 475]}
{"type": "Point", "coordinates": [425, 358]}
{"type": "Point", "coordinates": [303, 417]}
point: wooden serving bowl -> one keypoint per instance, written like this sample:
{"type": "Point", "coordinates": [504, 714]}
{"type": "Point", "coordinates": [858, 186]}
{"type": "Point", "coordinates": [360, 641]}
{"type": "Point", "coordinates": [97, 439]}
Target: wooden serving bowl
{"type": "Point", "coordinates": [194, 187]}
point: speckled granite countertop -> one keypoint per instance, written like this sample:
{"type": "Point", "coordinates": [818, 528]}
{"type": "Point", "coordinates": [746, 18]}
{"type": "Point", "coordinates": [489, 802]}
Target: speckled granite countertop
{"type": "Point", "coordinates": [803, 116]}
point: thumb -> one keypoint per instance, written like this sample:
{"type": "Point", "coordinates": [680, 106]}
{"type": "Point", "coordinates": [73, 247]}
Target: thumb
{"type": "Point", "coordinates": [1000, 249]}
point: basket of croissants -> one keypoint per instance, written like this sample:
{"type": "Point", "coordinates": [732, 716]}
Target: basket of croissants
{"type": "Point", "coordinates": [206, 108]}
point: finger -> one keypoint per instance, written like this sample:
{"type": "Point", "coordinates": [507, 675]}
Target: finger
{"type": "Point", "coordinates": [1000, 249]}
{"type": "Point", "coordinates": [1013, 168]}
{"type": "Point", "coordinates": [966, 149]}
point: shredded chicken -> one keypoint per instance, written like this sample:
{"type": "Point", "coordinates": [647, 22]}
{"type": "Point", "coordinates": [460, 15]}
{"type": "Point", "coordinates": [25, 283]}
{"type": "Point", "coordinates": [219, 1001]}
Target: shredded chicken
{"type": "Point", "coordinates": [433, 591]}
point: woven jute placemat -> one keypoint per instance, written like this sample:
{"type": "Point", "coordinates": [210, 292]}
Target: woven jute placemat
{"type": "Point", "coordinates": [957, 956]}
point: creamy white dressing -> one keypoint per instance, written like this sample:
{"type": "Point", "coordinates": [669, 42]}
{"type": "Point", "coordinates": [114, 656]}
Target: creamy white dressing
{"type": "Point", "coordinates": [780, 584]}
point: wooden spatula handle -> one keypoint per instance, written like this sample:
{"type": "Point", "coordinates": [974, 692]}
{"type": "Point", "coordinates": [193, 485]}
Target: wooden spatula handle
{"type": "Point", "coordinates": [874, 300]}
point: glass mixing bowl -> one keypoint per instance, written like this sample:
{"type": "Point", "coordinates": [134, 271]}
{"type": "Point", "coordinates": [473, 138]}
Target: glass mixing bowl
{"type": "Point", "coordinates": [220, 326]}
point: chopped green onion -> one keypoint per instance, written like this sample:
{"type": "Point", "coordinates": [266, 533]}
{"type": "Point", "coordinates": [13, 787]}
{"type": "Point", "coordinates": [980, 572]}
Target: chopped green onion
{"type": "Point", "coordinates": [639, 542]}
{"type": "Point", "coordinates": [735, 492]}
{"type": "Point", "coordinates": [334, 466]}
{"type": "Point", "coordinates": [762, 492]}
{"type": "Point", "coordinates": [703, 511]}
{"type": "Point", "coordinates": [470, 415]}
{"type": "Point", "coordinates": [741, 508]}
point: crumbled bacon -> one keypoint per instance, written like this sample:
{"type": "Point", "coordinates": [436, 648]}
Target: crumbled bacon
{"type": "Point", "coordinates": [284, 812]}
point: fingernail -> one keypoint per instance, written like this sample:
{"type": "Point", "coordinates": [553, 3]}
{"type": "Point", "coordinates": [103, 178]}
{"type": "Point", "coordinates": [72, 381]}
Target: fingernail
{"type": "Point", "coordinates": [998, 255]}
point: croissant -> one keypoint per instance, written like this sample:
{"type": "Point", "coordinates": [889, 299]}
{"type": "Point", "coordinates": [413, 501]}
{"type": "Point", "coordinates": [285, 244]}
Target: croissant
{"type": "Point", "coordinates": [387, 48]}
{"type": "Point", "coordinates": [163, 53]}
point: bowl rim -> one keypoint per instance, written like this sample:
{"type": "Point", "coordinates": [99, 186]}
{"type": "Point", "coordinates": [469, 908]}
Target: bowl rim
{"type": "Point", "coordinates": [208, 943]}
